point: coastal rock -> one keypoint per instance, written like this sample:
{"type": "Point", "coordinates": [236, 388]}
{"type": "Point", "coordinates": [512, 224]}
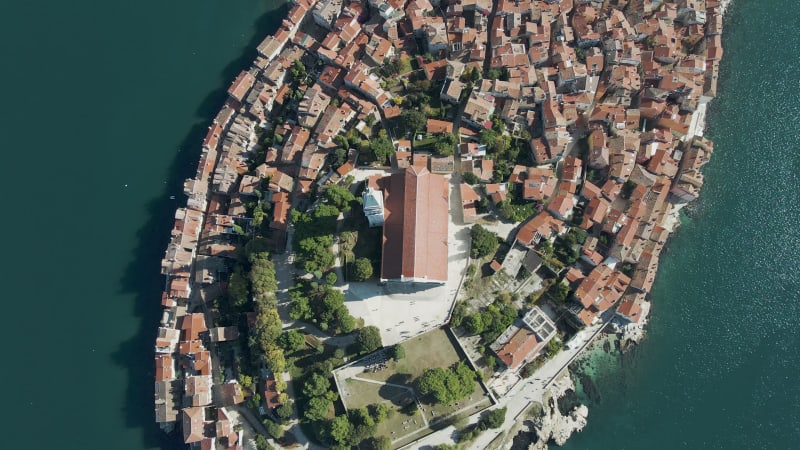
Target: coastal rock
{"type": "Point", "coordinates": [573, 422]}
{"type": "Point", "coordinates": [553, 424]}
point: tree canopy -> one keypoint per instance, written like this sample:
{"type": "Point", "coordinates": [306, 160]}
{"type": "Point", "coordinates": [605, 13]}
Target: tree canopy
{"type": "Point", "coordinates": [238, 290]}
{"type": "Point", "coordinates": [447, 385]}
{"type": "Point", "coordinates": [413, 120]}
{"type": "Point", "coordinates": [381, 147]}
{"type": "Point", "coordinates": [398, 352]}
{"type": "Point", "coordinates": [369, 339]}
{"type": "Point", "coordinates": [323, 305]}
{"type": "Point", "coordinates": [317, 408]}
{"type": "Point", "coordinates": [340, 429]}
{"type": "Point", "coordinates": [484, 242]}
{"type": "Point", "coordinates": [362, 269]}
{"type": "Point", "coordinates": [339, 196]}
{"type": "Point", "coordinates": [494, 418]}
{"type": "Point", "coordinates": [470, 178]}
{"type": "Point", "coordinates": [292, 340]}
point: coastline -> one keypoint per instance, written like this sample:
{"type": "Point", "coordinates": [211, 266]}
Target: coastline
{"type": "Point", "coordinates": [673, 222]}
{"type": "Point", "coordinates": [221, 170]}
{"type": "Point", "coordinates": [605, 352]}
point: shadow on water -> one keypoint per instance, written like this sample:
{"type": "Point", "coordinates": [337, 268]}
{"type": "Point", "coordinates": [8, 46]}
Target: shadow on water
{"type": "Point", "coordinates": [142, 278]}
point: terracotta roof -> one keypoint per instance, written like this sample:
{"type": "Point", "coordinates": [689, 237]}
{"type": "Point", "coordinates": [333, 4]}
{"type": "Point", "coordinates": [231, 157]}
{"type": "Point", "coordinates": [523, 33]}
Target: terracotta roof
{"type": "Point", "coordinates": [193, 325]}
{"type": "Point", "coordinates": [519, 348]}
{"type": "Point", "coordinates": [241, 85]}
{"type": "Point", "coordinates": [542, 225]}
{"type": "Point", "coordinates": [415, 228]}
{"type": "Point", "coordinates": [439, 126]}
{"type": "Point", "coordinates": [165, 369]}
{"type": "Point", "coordinates": [270, 393]}
{"type": "Point", "coordinates": [192, 424]}
{"type": "Point", "coordinates": [630, 309]}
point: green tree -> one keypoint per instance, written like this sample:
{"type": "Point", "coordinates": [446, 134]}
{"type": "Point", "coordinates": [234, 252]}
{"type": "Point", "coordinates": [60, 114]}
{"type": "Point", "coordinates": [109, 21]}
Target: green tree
{"type": "Point", "coordinates": [268, 325]}
{"type": "Point", "coordinates": [347, 324]}
{"type": "Point", "coordinates": [494, 418]}
{"type": "Point", "coordinates": [339, 156]}
{"type": "Point", "coordinates": [381, 147]}
{"type": "Point", "coordinates": [483, 242]}
{"type": "Point", "coordinates": [274, 357]}
{"type": "Point", "coordinates": [413, 120]}
{"type": "Point", "coordinates": [398, 352]}
{"type": "Point", "coordinates": [300, 307]}
{"type": "Point", "coordinates": [554, 346]}
{"type": "Point", "coordinates": [262, 276]}
{"type": "Point", "coordinates": [368, 339]}
{"type": "Point", "coordinates": [362, 269]}
{"type": "Point", "coordinates": [363, 424]}
{"type": "Point", "coordinates": [575, 236]}
{"type": "Point", "coordinates": [447, 385]}
{"type": "Point", "coordinates": [340, 429]}
{"type": "Point", "coordinates": [380, 412]}
{"type": "Point", "coordinates": [285, 411]}
{"type": "Point", "coordinates": [378, 443]}
{"type": "Point", "coordinates": [246, 381]}
{"type": "Point", "coordinates": [339, 196]}
{"type": "Point", "coordinates": [459, 313]}
{"type": "Point", "coordinates": [488, 138]}
{"type": "Point", "coordinates": [317, 408]}
{"type": "Point", "coordinates": [473, 323]}
{"type": "Point", "coordinates": [330, 278]}
{"type": "Point", "coordinates": [273, 429]}
{"type": "Point", "coordinates": [443, 148]}
{"type": "Point", "coordinates": [316, 385]}
{"type": "Point", "coordinates": [558, 292]}
{"type": "Point", "coordinates": [262, 443]}
{"type": "Point", "coordinates": [238, 290]}
{"type": "Point", "coordinates": [470, 178]}
{"type": "Point", "coordinates": [292, 341]}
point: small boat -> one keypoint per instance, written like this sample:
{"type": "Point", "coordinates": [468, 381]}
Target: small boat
{"type": "Point", "coordinates": [172, 197]}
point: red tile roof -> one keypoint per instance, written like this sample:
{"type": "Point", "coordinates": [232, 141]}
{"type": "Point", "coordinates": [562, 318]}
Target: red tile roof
{"type": "Point", "coordinates": [415, 227]}
{"type": "Point", "coordinates": [519, 348]}
{"type": "Point", "coordinates": [193, 325]}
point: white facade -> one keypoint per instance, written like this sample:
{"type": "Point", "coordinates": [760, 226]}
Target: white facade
{"type": "Point", "coordinates": [373, 206]}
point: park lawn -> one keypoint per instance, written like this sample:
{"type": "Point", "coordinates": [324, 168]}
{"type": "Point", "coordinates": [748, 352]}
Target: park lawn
{"type": "Point", "coordinates": [400, 401]}
{"type": "Point", "coordinates": [363, 394]}
{"type": "Point", "coordinates": [432, 349]}
{"type": "Point", "coordinates": [478, 401]}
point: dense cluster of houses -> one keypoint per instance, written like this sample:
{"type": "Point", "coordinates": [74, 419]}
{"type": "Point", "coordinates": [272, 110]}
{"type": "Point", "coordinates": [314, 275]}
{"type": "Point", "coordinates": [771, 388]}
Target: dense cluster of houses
{"type": "Point", "coordinates": [634, 84]}
{"type": "Point", "coordinates": [631, 83]}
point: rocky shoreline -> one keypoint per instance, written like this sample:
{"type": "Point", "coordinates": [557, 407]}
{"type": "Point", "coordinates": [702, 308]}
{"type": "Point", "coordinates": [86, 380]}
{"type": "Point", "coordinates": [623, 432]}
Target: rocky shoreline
{"type": "Point", "coordinates": [554, 419]}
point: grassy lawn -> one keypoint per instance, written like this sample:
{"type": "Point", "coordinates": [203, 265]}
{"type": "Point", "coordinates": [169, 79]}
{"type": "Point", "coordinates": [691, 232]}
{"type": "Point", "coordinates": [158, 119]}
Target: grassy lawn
{"type": "Point", "coordinates": [400, 400]}
{"type": "Point", "coordinates": [426, 143]}
{"type": "Point", "coordinates": [432, 349]}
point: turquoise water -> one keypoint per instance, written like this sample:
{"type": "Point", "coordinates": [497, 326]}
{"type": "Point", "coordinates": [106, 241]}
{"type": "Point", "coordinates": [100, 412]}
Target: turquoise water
{"type": "Point", "coordinates": [719, 368]}
{"type": "Point", "coordinates": [98, 95]}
